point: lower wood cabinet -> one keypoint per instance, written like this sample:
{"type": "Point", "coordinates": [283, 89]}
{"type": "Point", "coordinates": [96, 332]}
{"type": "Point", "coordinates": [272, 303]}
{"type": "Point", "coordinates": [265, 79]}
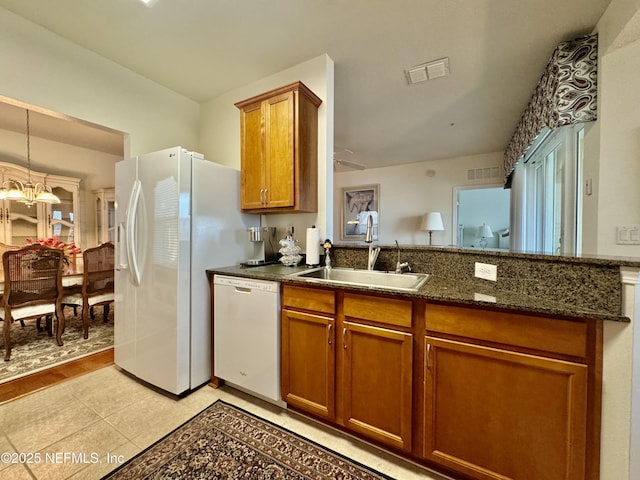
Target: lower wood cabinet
{"type": "Point", "coordinates": [486, 394]}
{"type": "Point", "coordinates": [308, 362]}
{"type": "Point", "coordinates": [497, 414]}
{"type": "Point", "coordinates": [308, 353]}
{"type": "Point", "coordinates": [344, 370]}
{"type": "Point", "coordinates": [377, 383]}
{"type": "Point", "coordinates": [511, 395]}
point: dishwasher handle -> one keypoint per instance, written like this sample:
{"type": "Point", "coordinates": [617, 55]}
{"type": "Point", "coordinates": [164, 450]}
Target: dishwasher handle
{"type": "Point", "coordinates": [246, 285]}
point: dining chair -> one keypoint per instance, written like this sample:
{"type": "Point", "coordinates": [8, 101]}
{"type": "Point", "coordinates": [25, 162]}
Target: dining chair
{"type": "Point", "coordinates": [97, 283]}
{"type": "Point", "coordinates": [32, 288]}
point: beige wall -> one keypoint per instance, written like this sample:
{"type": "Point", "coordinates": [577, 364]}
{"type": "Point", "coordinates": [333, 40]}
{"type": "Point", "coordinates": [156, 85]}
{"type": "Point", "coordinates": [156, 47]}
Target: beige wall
{"type": "Point", "coordinates": [55, 74]}
{"type": "Point", "coordinates": [407, 193]}
{"type": "Point", "coordinates": [613, 161]}
{"type": "Point", "coordinates": [612, 144]}
{"type": "Point", "coordinates": [220, 137]}
{"type": "Point", "coordinates": [50, 72]}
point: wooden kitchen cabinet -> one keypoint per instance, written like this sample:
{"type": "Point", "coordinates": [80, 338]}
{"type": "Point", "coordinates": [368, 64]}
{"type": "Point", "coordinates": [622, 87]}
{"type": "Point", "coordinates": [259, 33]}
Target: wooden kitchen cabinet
{"type": "Point", "coordinates": [347, 358]}
{"type": "Point", "coordinates": [376, 386]}
{"type": "Point", "coordinates": [279, 149]}
{"type": "Point", "coordinates": [376, 368]}
{"type": "Point", "coordinates": [308, 353]}
{"type": "Point", "coordinates": [502, 409]}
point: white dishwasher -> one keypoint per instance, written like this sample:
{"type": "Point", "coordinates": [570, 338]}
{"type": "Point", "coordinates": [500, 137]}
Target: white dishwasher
{"type": "Point", "coordinates": [246, 335]}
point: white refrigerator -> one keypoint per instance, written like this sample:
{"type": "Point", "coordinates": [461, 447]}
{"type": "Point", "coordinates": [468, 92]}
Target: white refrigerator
{"type": "Point", "coordinates": [177, 215]}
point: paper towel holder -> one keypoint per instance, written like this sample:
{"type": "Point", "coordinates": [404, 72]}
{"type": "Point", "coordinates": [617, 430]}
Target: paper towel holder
{"type": "Point", "coordinates": [312, 256]}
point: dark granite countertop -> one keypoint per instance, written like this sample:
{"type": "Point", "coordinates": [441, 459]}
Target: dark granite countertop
{"type": "Point", "coordinates": [438, 289]}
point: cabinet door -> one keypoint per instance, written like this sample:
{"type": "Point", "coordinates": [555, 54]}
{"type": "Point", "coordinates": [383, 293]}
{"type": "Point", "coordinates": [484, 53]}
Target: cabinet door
{"type": "Point", "coordinates": [280, 122]}
{"type": "Point", "coordinates": [308, 362]}
{"type": "Point", "coordinates": [252, 176]}
{"type": "Point", "coordinates": [61, 216]}
{"type": "Point", "coordinates": [495, 414]}
{"type": "Point", "coordinates": [377, 379]}
{"type": "Point", "coordinates": [23, 221]}
{"type": "Point", "coordinates": [105, 216]}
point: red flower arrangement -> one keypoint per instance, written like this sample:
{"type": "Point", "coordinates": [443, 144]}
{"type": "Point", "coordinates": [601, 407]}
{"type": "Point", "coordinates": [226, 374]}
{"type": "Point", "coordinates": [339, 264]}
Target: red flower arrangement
{"type": "Point", "coordinates": [69, 249]}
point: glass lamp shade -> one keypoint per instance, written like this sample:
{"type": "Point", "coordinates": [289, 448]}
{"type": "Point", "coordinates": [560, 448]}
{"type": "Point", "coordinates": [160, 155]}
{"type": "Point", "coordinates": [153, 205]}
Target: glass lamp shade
{"type": "Point", "coordinates": [27, 193]}
{"type": "Point", "coordinates": [12, 190]}
{"type": "Point", "coordinates": [47, 196]}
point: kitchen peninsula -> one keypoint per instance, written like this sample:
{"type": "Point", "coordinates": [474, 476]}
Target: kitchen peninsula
{"type": "Point", "coordinates": [499, 375]}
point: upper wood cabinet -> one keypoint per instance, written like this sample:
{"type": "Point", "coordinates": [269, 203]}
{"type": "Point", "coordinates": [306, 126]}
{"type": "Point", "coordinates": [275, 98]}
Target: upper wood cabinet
{"type": "Point", "coordinates": [279, 151]}
{"type": "Point", "coordinates": [19, 221]}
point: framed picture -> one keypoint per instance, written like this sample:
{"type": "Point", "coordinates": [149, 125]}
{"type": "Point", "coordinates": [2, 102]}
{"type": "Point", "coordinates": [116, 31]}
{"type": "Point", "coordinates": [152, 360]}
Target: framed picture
{"type": "Point", "coordinates": [357, 204]}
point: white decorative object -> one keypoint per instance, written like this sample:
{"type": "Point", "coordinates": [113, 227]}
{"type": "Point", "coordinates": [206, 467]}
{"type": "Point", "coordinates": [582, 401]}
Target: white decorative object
{"type": "Point", "coordinates": [485, 232]}
{"type": "Point", "coordinates": [290, 251]}
{"type": "Point", "coordinates": [432, 222]}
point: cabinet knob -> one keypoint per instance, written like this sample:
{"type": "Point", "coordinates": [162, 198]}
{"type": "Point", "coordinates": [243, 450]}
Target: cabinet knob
{"type": "Point", "coordinates": [329, 334]}
{"type": "Point", "coordinates": [429, 356]}
{"type": "Point", "coordinates": [344, 338]}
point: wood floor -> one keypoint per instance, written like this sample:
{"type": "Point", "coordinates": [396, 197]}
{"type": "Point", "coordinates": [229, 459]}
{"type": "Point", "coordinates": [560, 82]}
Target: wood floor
{"type": "Point", "coordinates": [36, 381]}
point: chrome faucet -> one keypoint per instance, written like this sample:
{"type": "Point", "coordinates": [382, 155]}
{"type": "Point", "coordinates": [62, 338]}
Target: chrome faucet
{"type": "Point", "coordinates": [401, 266]}
{"type": "Point", "coordinates": [368, 238]}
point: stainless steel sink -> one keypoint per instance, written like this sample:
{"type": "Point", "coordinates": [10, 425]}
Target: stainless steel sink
{"type": "Point", "coordinates": [410, 282]}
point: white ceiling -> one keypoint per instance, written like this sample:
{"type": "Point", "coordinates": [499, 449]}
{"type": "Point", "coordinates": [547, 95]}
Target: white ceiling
{"type": "Point", "coordinates": [202, 48]}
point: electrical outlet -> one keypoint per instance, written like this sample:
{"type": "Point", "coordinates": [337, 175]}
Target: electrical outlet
{"type": "Point", "coordinates": [487, 271]}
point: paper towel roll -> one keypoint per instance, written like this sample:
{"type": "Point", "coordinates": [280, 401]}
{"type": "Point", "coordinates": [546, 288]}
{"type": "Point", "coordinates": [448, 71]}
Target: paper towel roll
{"type": "Point", "coordinates": [313, 246]}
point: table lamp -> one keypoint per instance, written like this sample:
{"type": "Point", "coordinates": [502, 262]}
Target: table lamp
{"type": "Point", "coordinates": [432, 222]}
{"type": "Point", "coordinates": [485, 232]}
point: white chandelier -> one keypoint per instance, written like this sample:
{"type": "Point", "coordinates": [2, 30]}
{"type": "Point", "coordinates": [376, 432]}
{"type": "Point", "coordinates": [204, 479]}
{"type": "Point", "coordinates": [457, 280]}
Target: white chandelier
{"type": "Point", "coordinates": [28, 192]}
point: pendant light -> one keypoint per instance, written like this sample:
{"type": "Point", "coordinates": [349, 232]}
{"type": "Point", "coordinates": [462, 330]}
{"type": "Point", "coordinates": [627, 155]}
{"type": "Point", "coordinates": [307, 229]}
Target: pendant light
{"type": "Point", "coordinates": [27, 192]}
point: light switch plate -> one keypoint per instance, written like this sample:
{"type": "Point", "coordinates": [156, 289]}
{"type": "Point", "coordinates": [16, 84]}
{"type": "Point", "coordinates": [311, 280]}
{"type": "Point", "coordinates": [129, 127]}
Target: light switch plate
{"type": "Point", "coordinates": [487, 271]}
{"type": "Point", "coordinates": [628, 235]}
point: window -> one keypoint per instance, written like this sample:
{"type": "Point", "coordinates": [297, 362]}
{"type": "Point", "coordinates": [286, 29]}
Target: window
{"type": "Point", "coordinates": [548, 201]}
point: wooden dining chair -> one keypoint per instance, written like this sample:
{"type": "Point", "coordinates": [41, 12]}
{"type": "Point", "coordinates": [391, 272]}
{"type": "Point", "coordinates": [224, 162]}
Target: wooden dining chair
{"type": "Point", "coordinates": [32, 288]}
{"type": "Point", "coordinates": [97, 283]}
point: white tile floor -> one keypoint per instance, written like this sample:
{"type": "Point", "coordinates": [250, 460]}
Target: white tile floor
{"type": "Point", "coordinates": [109, 417]}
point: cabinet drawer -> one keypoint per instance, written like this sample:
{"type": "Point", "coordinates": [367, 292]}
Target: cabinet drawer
{"type": "Point", "coordinates": [390, 311]}
{"type": "Point", "coordinates": [305, 298]}
{"type": "Point", "coordinates": [520, 330]}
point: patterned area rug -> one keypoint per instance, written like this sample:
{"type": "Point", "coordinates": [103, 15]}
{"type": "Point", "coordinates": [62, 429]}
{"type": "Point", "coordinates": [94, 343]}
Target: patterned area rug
{"type": "Point", "coordinates": [33, 351]}
{"type": "Point", "coordinates": [226, 442]}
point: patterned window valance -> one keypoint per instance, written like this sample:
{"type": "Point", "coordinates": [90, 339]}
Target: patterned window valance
{"type": "Point", "coordinates": [565, 95]}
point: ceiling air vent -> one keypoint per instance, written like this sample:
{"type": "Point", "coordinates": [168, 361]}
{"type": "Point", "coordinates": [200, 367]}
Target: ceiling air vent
{"type": "Point", "coordinates": [427, 71]}
{"type": "Point", "coordinates": [480, 173]}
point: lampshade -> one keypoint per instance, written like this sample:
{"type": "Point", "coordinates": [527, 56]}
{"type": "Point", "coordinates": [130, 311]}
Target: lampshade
{"type": "Point", "coordinates": [432, 221]}
{"type": "Point", "coordinates": [485, 231]}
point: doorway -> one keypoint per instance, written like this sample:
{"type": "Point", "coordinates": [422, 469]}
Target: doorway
{"type": "Point", "coordinates": [478, 207]}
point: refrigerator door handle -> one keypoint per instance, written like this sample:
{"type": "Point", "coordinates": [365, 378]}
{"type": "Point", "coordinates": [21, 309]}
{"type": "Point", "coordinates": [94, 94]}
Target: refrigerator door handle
{"type": "Point", "coordinates": [132, 217]}
{"type": "Point", "coordinates": [122, 254]}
